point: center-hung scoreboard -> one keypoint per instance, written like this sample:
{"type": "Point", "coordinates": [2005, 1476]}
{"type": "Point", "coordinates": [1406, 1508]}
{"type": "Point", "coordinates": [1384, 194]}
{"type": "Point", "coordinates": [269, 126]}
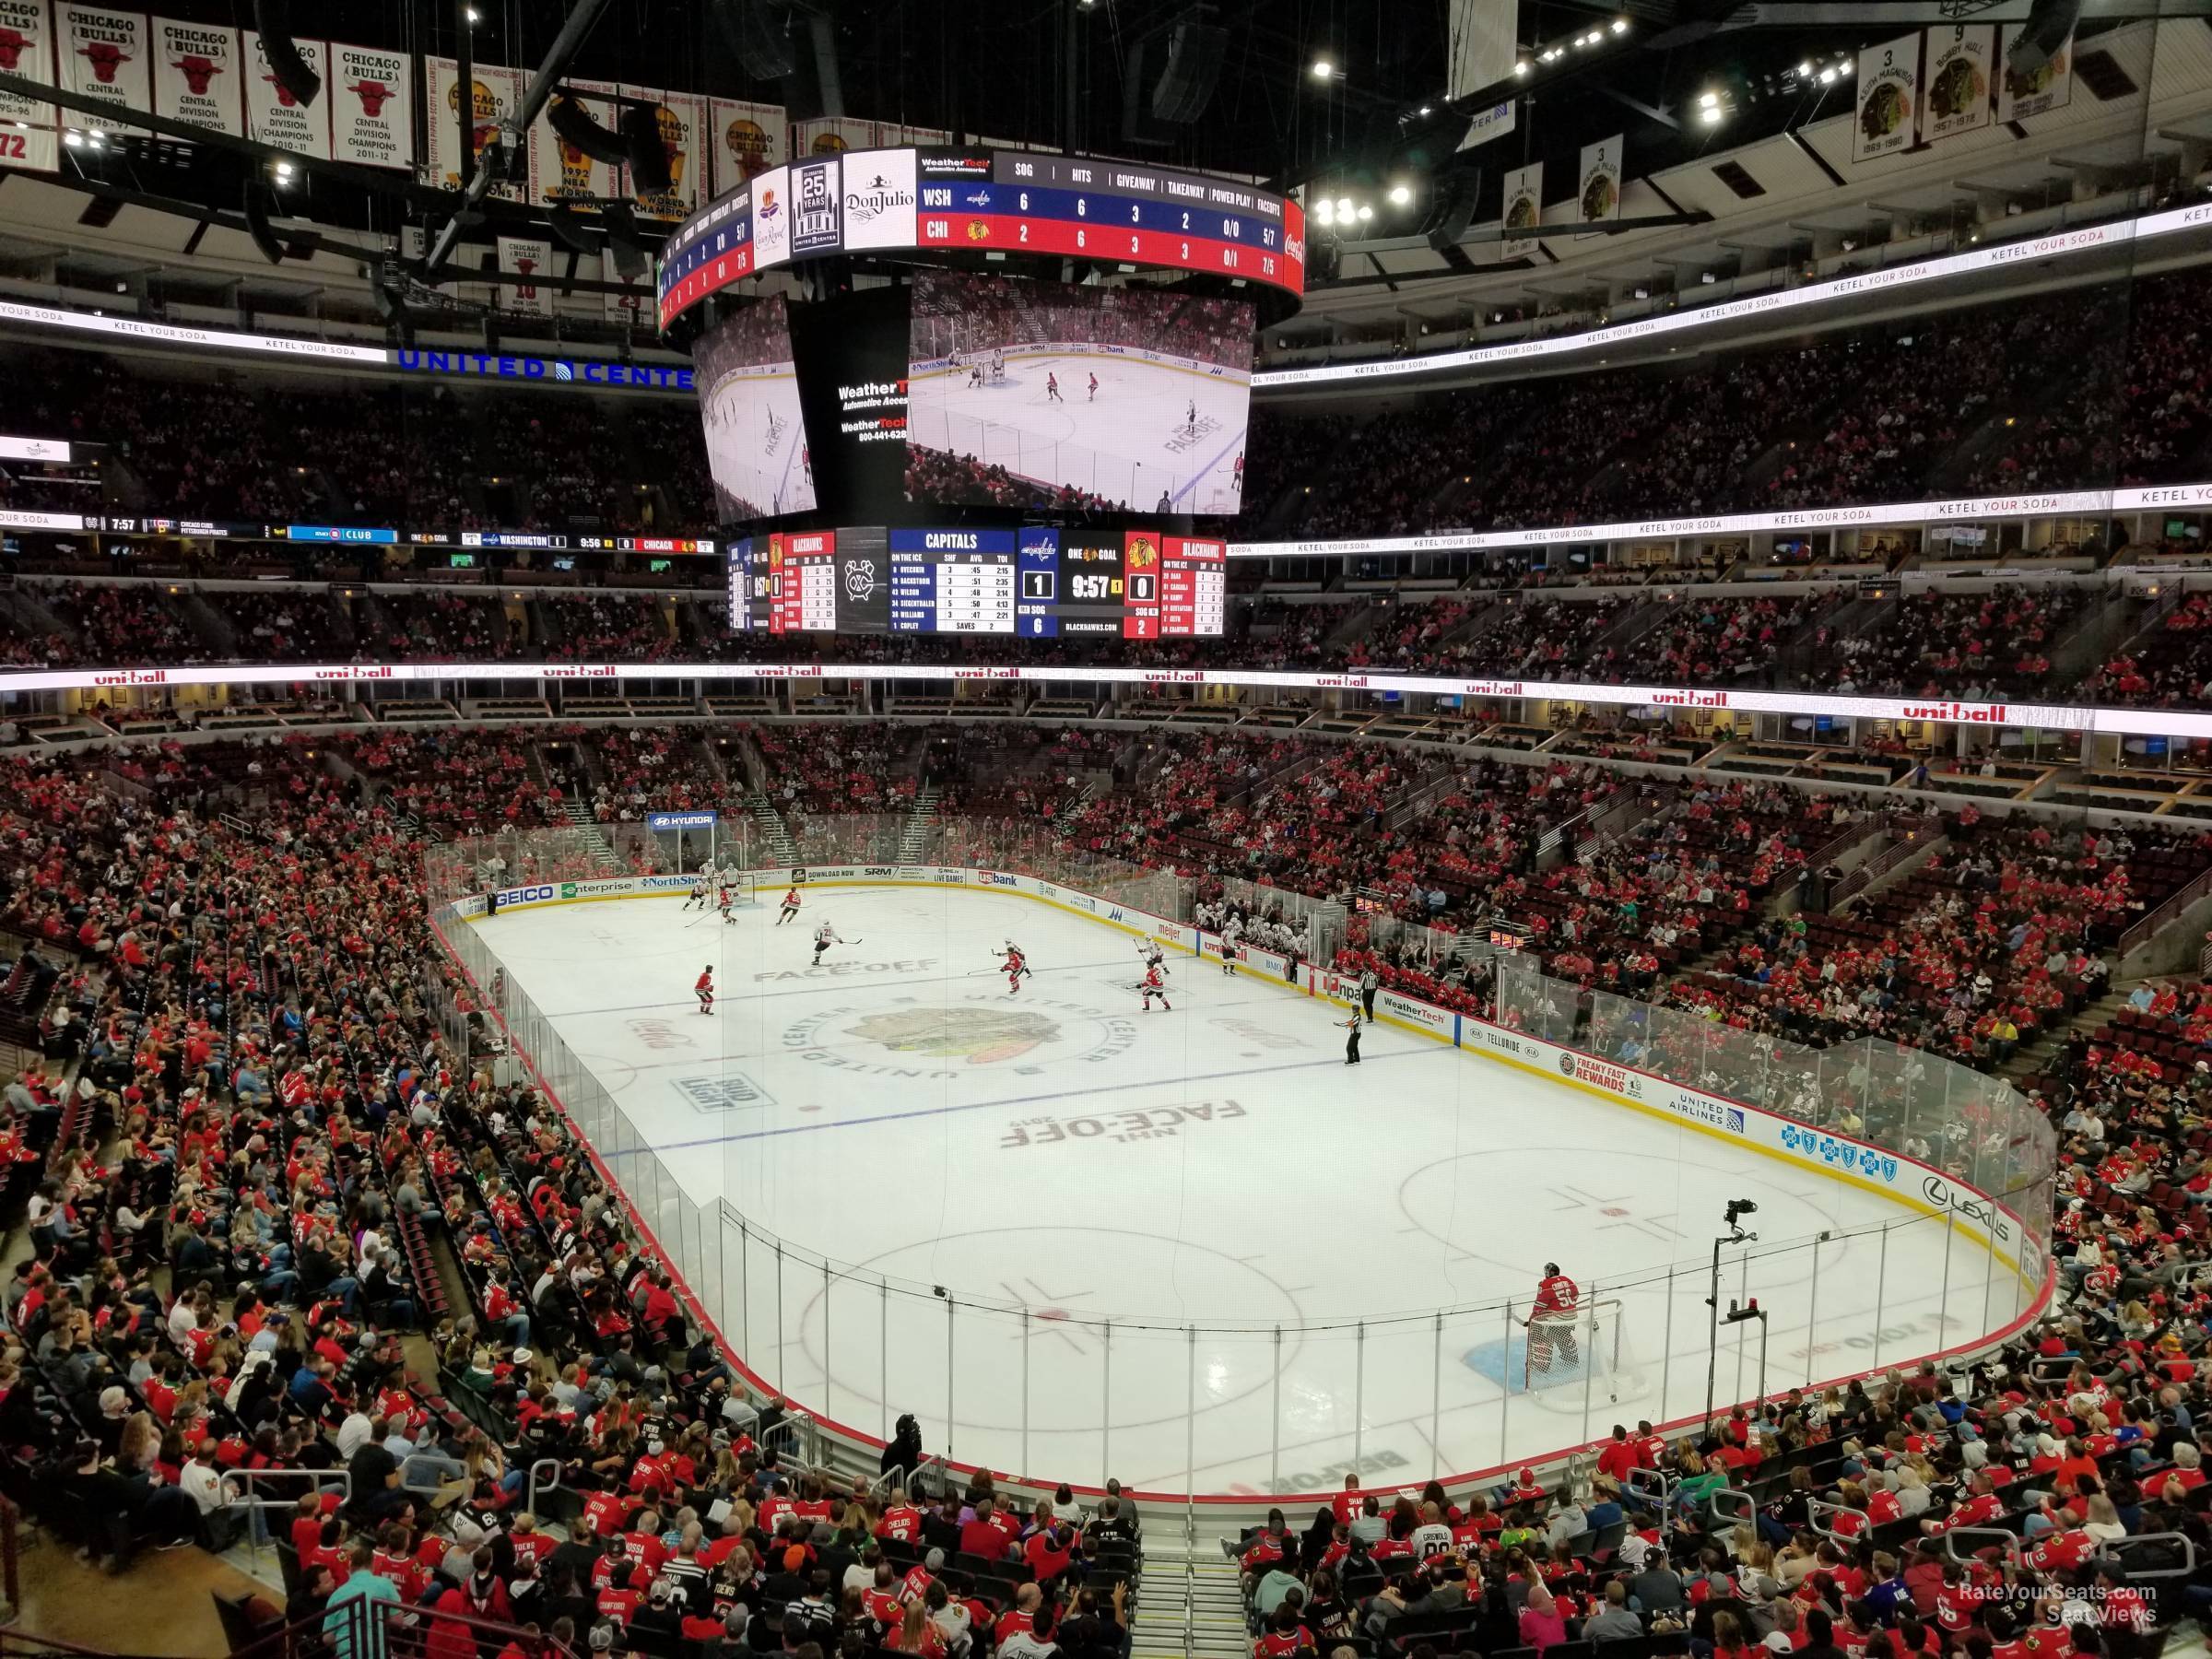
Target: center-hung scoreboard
{"type": "Point", "coordinates": [1038, 582]}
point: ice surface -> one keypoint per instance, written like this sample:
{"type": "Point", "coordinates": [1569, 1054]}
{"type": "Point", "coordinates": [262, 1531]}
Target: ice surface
{"type": "Point", "coordinates": [1064, 1163]}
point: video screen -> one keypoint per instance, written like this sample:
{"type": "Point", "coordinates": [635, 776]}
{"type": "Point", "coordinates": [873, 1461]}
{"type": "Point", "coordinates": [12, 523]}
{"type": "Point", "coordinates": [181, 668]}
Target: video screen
{"type": "Point", "coordinates": [1036, 394]}
{"type": "Point", "coordinates": [852, 356]}
{"type": "Point", "coordinates": [748, 397]}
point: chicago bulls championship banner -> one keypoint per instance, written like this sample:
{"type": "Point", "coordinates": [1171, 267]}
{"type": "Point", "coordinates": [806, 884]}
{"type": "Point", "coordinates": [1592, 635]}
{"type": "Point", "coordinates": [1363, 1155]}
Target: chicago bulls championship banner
{"type": "Point", "coordinates": [105, 54]}
{"type": "Point", "coordinates": [493, 95]}
{"type": "Point", "coordinates": [371, 99]}
{"type": "Point", "coordinates": [633, 302]}
{"type": "Point", "coordinates": [196, 74]}
{"type": "Point", "coordinates": [530, 259]}
{"type": "Point", "coordinates": [27, 126]}
{"type": "Point", "coordinates": [560, 172]}
{"type": "Point", "coordinates": [274, 115]}
{"type": "Point", "coordinates": [682, 118]}
{"type": "Point", "coordinates": [744, 138]}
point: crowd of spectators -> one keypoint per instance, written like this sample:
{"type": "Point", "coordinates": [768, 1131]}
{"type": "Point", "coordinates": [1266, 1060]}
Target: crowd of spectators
{"type": "Point", "coordinates": [268, 1118]}
{"type": "Point", "coordinates": [607, 627]}
{"type": "Point", "coordinates": [1998, 643]}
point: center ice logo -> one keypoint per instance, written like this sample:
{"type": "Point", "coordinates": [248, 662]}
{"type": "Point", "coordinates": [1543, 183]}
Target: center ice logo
{"type": "Point", "coordinates": [981, 1036]}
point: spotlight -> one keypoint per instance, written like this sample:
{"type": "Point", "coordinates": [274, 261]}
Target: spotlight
{"type": "Point", "coordinates": [1521, 67]}
{"type": "Point", "coordinates": [1621, 26]}
{"type": "Point", "coordinates": [1848, 68]}
{"type": "Point", "coordinates": [1805, 69]}
{"type": "Point", "coordinates": [284, 173]}
{"type": "Point", "coordinates": [1400, 195]}
{"type": "Point", "coordinates": [1324, 212]}
{"type": "Point", "coordinates": [1828, 77]}
{"type": "Point", "coordinates": [74, 139]}
{"type": "Point", "coordinates": [1424, 109]}
{"type": "Point", "coordinates": [1706, 101]}
{"type": "Point", "coordinates": [1366, 213]}
{"type": "Point", "coordinates": [475, 16]}
{"type": "Point", "coordinates": [1711, 117]}
{"type": "Point", "coordinates": [1323, 69]}
{"type": "Point", "coordinates": [1344, 206]}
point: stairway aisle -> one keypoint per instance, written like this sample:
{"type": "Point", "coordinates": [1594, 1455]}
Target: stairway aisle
{"type": "Point", "coordinates": [914, 841]}
{"type": "Point", "coordinates": [775, 835]}
{"type": "Point", "coordinates": [1190, 1607]}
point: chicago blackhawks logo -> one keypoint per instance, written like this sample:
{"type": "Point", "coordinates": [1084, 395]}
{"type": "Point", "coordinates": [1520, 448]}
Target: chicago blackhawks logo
{"type": "Point", "coordinates": [979, 1035]}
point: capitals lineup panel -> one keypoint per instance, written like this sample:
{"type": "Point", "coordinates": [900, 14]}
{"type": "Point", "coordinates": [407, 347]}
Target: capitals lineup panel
{"type": "Point", "coordinates": [1040, 583]}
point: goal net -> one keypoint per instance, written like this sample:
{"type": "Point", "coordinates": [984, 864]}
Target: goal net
{"type": "Point", "coordinates": [1580, 1353]}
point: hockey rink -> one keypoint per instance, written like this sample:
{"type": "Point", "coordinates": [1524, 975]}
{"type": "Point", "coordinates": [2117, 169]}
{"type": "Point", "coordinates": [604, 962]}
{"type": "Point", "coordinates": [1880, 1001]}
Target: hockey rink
{"type": "Point", "coordinates": [1187, 1245]}
{"type": "Point", "coordinates": [1132, 442]}
{"type": "Point", "coordinates": [757, 442]}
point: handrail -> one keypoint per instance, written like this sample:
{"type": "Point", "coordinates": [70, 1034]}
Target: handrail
{"type": "Point", "coordinates": [2167, 912]}
{"type": "Point", "coordinates": [339, 1481]}
{"type": "Point", "coordinates": [2007, 1544]}
{"type": "Point", "coordinates": [2116, 1550]}
{"type": "Point", "coordinates": [1727, 1511]}
{"type": "Point", "coordinates": [1817, 1510]}
{"type": "Point", "coordinates": [544, 1463]}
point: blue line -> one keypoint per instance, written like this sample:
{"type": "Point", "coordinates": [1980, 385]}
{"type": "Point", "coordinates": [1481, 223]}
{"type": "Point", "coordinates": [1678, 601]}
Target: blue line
{"type": "Point", "coordinates": [1057, 1094]}
{"type": "Point", "coordinates": [1211, 464]}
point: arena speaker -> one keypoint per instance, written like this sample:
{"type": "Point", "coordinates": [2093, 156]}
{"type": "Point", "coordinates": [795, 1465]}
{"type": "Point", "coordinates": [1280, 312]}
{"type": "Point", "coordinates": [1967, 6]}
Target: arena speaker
{"type": "Point", "coordinates": [648, 158]}
{"type": "Point", "coordinates": [273, 22]}
{"type": "Point", "coordinates": [1456, 194]}
{"type": "Point", "coordinates": [2049, 24]}
{"type": "Point", "coordinates": [257, 222]}
{"type": "Point", "coordinates": [574, 127]}
{"type": "Point", "coordinates": [754, 33]}
{"type": "Point", "coordinates": [622, 237]}
{"type": "Point", "coordinates": [1186, 85]}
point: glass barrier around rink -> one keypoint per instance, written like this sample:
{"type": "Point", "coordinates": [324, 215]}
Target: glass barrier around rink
{"type": "Point", "coordinates": [1053, 1390]}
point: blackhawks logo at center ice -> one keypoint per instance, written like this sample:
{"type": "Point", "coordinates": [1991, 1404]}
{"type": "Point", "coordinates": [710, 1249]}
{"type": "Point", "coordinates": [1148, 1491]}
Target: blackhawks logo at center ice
{"type": "Point", "coordinates": [982, 1035]}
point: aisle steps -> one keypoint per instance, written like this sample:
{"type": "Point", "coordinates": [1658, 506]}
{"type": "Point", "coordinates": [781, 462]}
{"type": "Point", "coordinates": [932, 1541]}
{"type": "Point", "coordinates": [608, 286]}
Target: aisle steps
{"type": "Point", "coordinates": [1191, 1607]}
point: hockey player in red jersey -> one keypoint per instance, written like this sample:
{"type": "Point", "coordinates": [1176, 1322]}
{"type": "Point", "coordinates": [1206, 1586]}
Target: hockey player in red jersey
{"type": "Point", "coordinates": [1557, 1295]}
{"type": "Point", "coordinates": [704, 988]}
{"type": "Point", "coordinates": [1155, 986]}
{"type": "Point", "coordinates": [1015, 965]}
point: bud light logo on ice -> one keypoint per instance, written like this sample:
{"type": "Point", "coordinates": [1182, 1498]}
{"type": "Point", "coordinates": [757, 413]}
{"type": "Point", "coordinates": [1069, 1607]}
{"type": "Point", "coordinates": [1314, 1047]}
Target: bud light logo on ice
{"type": "Point", "coordinates": [681, 820]}
{"type": "Point", "coordinates": [1842, 1154]}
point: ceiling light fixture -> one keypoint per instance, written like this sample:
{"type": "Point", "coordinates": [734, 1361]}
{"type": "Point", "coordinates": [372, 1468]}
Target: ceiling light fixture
{"type": "Point", "coordinates": [1400, 195]}
{"type": "Point", "coordinates": [1323, 69]}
